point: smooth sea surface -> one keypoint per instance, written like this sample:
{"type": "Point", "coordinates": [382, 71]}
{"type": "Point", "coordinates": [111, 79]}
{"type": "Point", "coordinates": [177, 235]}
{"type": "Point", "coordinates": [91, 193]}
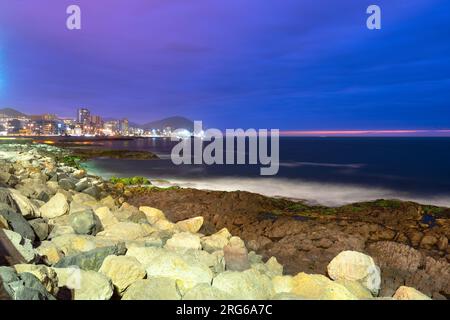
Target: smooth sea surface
{"type": "Point", "coordinates": [329, 171]}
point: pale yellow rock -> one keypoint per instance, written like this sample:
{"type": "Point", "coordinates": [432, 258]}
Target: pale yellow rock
{"type": "Point", "coordinates": [26, 207]}
{"type": "Point", "coordinates": [49, 252]}
{"type": "Point", "coordinates": [283, 284]}
{"type": "Point", "coordinates": [152, 214]}
{"type": "Point", "coordinates": [274, 268]}
{"type": "Point", "coordinates": [164, 225]}
{"type": "Point", "coordinates": [86, 285]}
{"type": "Point", "coordinates": [47, 276]}
{"type": "Point", "coordinates": [237, 242]}
{"type": "Point", "coordinates": [315, 286]}
{"type": "Point", "coordinates": [192, 225]}
{"type": "Point", "coordinates": [165, 263]}
{"type": "Point", "coordinates": [3, 223]}
{"type": "Point", "coordinates": [126, 231]}
{"type": "Point", "coordinates": [107, 219]}
{"type": "Point", "coordinates": [247, 285]}
{"type": "Point", "coordinates": [85, 199]}
{"type": "Point", "coordinates": [184, 241]}
{"type": "Point", "coordinates": [108, 202]}
{"type": "Point", "coordinates": [60, 230]}
{"type": "Point", "coordinates": [356, 288]}
{"type": "Point", "coordinates": [122, 270]}
{"type": "Point", "coordinates": [72, 244]}
{"type": "Point", "coordinates": [356, 266]}
{"type": "Point", "coordinates": [408, 293]}
{"type": "Point", "coordinates": [216, 241]}
{"type": "Point", "coordinates": [204, 291]}
{"type": "Point", "coordinates": [154, 288]}
{"type": "Point", "coordinates": [57, 206]}
{"type": "Point", "coordinates": [148, 229]}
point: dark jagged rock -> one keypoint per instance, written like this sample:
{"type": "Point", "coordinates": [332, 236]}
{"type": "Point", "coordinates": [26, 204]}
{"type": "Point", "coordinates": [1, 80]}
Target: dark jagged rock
{"type": "Point", "coordinates": [23, 286]}
{"type": "Point", "coordinates": [93, 192]}
{"type": "Point", "coordinates": [90, 260]}
{"type": "Point", "coordinates": [17, 222]}
{"type": "Point", "coordinates": [66, 184]}
{"type": "Point", "coordinates": [40, 228]}
{"type": "Point", "coordinates": [28, 288]}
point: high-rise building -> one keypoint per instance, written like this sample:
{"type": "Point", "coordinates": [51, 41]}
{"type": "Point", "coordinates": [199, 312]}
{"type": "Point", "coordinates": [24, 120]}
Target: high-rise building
{"type": "Point", "coordinates": [123, 126]}
{"type": "Point", "coordinates": [83, 116]}
{"type": "Point", "coordinates": [97, 121]}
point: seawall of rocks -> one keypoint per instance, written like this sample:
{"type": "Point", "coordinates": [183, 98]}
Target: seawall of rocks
{"type": "Point", "coordinates": [79, 242]}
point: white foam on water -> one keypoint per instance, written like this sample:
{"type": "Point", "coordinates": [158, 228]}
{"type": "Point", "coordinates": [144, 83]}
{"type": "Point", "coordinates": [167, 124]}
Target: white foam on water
{"type": "Point", "coordinates": [328, 194]}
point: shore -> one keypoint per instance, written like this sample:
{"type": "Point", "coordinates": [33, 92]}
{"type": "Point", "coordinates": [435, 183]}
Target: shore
{"type": "Point", "coordinates": [143, 242]}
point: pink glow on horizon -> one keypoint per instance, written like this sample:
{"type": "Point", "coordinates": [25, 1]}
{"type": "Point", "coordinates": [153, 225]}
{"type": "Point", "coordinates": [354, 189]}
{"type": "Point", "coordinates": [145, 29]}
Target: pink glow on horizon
{"type": "Point", "coordinates": [366, 133]}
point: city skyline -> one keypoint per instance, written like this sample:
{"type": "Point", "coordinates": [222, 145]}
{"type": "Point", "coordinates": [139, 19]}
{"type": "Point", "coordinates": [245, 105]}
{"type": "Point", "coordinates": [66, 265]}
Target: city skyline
{"type": "Point", "coordinates": [296, 66]}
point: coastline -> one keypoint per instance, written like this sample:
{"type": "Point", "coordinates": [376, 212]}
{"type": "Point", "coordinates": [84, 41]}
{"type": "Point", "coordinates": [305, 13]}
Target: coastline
{"type": "Point", "coordinates": [292, 232]}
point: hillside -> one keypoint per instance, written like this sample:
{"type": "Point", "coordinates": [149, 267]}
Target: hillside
{"type": "Point", "coordinates": [173, 122]}
{"type": "Point", "coordinates": [11, 113]}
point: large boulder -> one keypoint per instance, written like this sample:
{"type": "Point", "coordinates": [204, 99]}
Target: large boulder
{"type": "Point", "coordinates": [271, 268]}
{"type": "Point", "coordinates": [56, 207]}
{"type": "Point", "coordinates": [152, 214]}
{"type": "Point", "coordinates": [127, 231]}
{"type": "Point", "coordinates": [72, 244]}
{"type": "Point", "coordinates": [236, 255]}
{"type": "Point", "coordinates": [247, 285]}
{"type": "Point", "coordinates": [107, 219]}
{"type": "Point", "coordinates": [93, 191]}
{"type": "Point", "coordinates": [67, 184]}
{"type": "Point", "coordinates": [356, 266]}
{"type": "Point", "coordinates": [85, 222]}
{"type": "Point", "coordinates": [49, 252]}
{"type": "Point", "coordinates": [28, 287]}
{"type": "Point", "coordinates": [23, 245]}
{"type": "Point", "coordinates": [27, 208]}
{"type": "Point", "coordinates": [109, 202]}
{"type": "Point", "coordinates": [82, 185]}
{"type": "Point", "coordinates": [85, 285]}
{"type": "Point", "coordinates": [123, 271]}
{"type": "Point", "coordinates": [204, 291]}
{"type": "Point", "coordinates": [356, 288]}
{"type": "Point", "coordinates": [184, 241]}
{"type": "Point", "coordinates": [283, 284]}
{"type": "Point", "coordinates": [4, 223]}
{"type": "Point", "coordinates": [319, 287]}
{"type": "Point", "coordinates": [40, 228]}
{"type": "Point", "coordinates": [86, 199]}
{"type": "Point", "coordinates": [192, 225]}
{"type": "Point", "coordinates": [18, 202]}
{"type": "Point", "coordinates": [407, 293]}
{"type": "Point", "coordinates": [46, 275]}
{"type": "Point", "coordinates": [217, 241]}
{"type": "Point", "coordinates": [17, 222]}
{"type": "Point", "coordinates": [154, 288]}
{"type": "Point", "coordinates": [90, 260]}
{"type": "Point", "coordinates": [164, 263]}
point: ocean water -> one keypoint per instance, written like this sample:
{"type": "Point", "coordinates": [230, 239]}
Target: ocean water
{"type": "Point", "coordinates": [329, 171]}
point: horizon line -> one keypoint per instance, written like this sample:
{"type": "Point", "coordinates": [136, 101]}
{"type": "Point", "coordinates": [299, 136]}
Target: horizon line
{"type": "Point", "coordinates": [356, 133]}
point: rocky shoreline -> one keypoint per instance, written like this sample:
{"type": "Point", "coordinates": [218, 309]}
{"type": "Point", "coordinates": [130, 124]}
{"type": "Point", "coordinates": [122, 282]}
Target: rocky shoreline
{"type": "Point", "coordinates": [83, 238]}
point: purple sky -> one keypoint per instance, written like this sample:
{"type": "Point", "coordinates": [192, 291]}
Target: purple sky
{"type": "Point", "coordinates": [289, 64]}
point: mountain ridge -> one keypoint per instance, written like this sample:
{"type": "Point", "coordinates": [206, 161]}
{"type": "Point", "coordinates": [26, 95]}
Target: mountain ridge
{"type": "Point", "coordinates": [10, 112]}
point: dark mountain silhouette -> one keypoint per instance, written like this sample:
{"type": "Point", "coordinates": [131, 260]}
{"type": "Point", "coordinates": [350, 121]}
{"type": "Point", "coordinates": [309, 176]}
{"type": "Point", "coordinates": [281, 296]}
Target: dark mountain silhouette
{"type": "Point", "coordinates": [11, 113]}
{"type": "Point", "coordinates": [172, 122]}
